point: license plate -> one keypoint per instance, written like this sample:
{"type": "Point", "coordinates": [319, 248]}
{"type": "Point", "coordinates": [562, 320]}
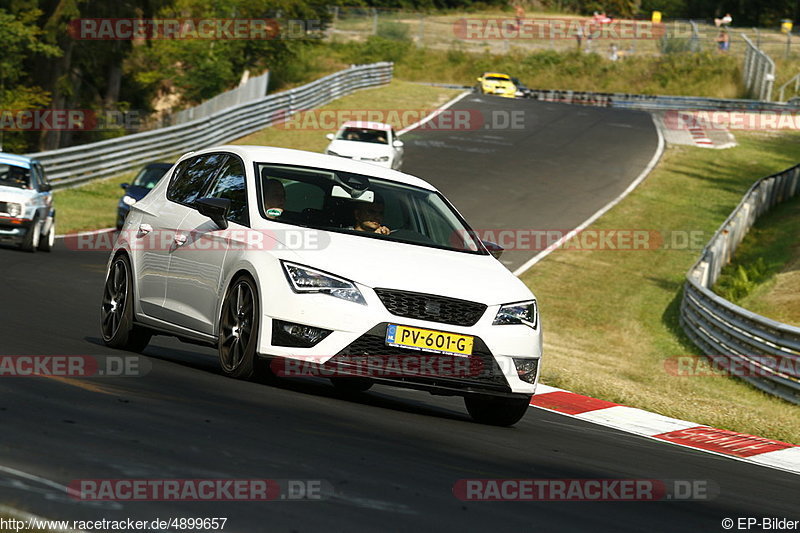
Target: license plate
{"type": "Point", "coordinates": [429, 340]}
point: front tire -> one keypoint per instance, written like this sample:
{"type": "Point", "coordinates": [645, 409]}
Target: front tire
{"type": "Point", "coordinates": [116, 311]}
{"type": "Point", "coordinates": [238, 329]}
{"type": "Point", "coordinates": [31, 242]}
{"type": "Point", "coordinates": [47, 240]}
{"type": "Point", "coordinates": [496, 411]}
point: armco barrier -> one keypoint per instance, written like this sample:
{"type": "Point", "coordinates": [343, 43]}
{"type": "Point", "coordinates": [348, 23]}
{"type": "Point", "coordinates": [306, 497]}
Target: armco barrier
{"type": "Point", "coordinates": [767, 352]}
{"type": "Point", "coordinates": [78, 164]}
{"type": "Point", "coordinates": [646, 102]}
{"type": "Point", "coordinates": [654, 102]}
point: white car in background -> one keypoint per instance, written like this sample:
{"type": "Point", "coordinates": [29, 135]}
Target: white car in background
{"type": "Point", "coordinates": [371, 142]}
{"type": "Point", "coordinates": [294, 257]}
{"type": "Point", "coordinates": [27, 217]}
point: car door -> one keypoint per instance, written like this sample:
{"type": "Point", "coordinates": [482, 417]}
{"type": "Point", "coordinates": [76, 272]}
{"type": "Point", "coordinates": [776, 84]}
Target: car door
{"type": "Point", "coordinates": [151, 232]}
{"type": "Point", "coordinates": [197, 262]}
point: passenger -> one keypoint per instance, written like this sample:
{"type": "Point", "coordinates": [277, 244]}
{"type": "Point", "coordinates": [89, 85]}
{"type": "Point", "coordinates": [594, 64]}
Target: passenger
{"type": "Point", "coordinates": [369, 217]}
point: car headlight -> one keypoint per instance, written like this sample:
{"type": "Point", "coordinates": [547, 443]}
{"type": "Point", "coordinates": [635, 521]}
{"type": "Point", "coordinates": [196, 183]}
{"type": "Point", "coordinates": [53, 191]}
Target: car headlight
{"type": "Point", "coordinates": [305, 279]}
{"type": "Point", "coordinates": [381, 159]}
{"type": "Point", "coordinates": [518, 313]}
{"type": "Point", "coordinates": [14, 209]}
{"type": "Point", "coordinates": [128, 200]}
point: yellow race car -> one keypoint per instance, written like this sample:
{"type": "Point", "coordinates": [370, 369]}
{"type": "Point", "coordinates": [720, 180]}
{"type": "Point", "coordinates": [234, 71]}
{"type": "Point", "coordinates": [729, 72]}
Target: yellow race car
{"type": "Point", "coordinates": [497, 84]}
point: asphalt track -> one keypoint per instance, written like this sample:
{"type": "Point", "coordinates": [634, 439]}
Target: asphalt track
{"type": "Point", "coordinates": [528, 166]}
{"type": "Point", "coordinates": [392, 457]}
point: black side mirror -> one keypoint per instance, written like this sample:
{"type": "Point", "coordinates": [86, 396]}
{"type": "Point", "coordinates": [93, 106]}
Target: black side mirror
{"type": "Point", "coordinates": [46, 187]}
{"type": "Point", "coordinates": [495, 249]}
{"type": "Point", "coordinates": [216, 209]}
{"type": "Point", "coordinates": [124, 185]}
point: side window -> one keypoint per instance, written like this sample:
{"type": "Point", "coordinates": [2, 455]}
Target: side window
{"type": "Point", "coordinates": [301, 196]}
{"type": "Point", "coordinates": [231, 184]}
{"type": "Point", "coordinates": [42, 176]}
{"type": "Point", "coordinates": [36, 183]}
{"type": "Point", "coordinates": [192, 176]}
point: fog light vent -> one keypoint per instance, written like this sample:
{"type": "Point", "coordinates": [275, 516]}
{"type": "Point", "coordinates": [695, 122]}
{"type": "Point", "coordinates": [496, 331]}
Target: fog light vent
{"type": "Point", "coordinates": [527, 369]}
{"type": "Point", "coordinates": [296, 335]}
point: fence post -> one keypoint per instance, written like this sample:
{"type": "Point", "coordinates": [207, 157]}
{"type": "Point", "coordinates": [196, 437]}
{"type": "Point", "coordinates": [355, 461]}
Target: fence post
{"type": "Point", "coordinates": [695, 39]}
{"type": "Point", "coordinates": [374, 21]}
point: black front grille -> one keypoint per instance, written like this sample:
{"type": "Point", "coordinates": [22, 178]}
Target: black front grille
{"type": "Point", "coordinates": [3, 207]}
{"type": "Point", "coordinates": [485, 375]}
{"type": "Point", "coordinates": [431, 307]}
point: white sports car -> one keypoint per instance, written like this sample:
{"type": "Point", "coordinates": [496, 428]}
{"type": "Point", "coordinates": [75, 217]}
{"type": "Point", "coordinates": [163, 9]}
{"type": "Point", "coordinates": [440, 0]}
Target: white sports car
{"type": "Point", "coordinates": [371, 142]}
{"type": "Point", "coordinates": [369, 274]}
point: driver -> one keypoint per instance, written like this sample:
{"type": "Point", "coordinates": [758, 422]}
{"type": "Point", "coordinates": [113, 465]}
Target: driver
{"type": "Point", "coordinates": [369, 217]}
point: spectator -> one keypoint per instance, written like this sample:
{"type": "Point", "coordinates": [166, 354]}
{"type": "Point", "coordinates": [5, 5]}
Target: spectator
{"type": "Point", "coordinates": [723, 41]}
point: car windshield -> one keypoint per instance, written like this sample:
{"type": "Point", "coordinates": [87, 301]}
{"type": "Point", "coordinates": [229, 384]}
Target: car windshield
{"type": "Point", "coordinates": [149, 176]}
{"type": "Point", "coordinates": [339, 201]}
{"type": "Point", "coordinates": [14, 176]}
{"type": "Point", "coordinates": [495, 78]}
{"type": "Point", "coordinates": [367, 135]}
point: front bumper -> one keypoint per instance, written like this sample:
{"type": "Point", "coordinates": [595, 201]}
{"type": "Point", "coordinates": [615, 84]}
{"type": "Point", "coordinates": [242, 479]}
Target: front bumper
{"type": "Point", "coordinates": [14, 230]}
{"type": "Point", "coordinates": [358, 330]}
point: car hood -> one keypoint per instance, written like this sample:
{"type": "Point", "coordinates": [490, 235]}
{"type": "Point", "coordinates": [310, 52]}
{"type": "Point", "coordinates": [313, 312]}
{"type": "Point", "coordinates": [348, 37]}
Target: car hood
{"type": "Point", "coordinates": [378, 263]}
{"type": "Point", "coordinates": [13, 194]}
{"type": "Point", "coordinates": [359, 149]}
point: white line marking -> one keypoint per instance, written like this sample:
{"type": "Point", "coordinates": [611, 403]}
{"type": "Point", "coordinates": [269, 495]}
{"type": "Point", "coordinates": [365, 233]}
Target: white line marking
{"type": "Point", "coordinates": [544, 253]}
{"type": "Point", "coordinates": [419, 123]}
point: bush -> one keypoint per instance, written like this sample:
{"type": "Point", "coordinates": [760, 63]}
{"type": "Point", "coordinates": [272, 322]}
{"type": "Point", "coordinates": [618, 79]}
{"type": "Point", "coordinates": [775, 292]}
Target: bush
{"type": "Point", "coordinates": [737, 283]}
{"type": "Point", "coordinates": [394, 31]}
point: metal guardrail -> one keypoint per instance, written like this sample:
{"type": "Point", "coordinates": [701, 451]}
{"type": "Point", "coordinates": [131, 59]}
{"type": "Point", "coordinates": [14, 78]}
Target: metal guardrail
{"type": "Point", "coordinates": [252, 89]}
{"type": "Point", "coordinates": [655, 102]}
{"type": "Point", "coordinates": [796, 80]}
{"type": "Point", "coordinates": [758, 72]}
{"type": "Point", "coordinates": [646, 102]}
{"type": "Point", "coordinates": [767, 352]}
{"type": "Point", "coordinates": [78, 164]}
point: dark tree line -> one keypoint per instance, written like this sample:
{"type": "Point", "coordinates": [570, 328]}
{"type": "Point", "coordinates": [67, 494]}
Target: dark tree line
{"type": "Point", "coordinates": [42, 65]}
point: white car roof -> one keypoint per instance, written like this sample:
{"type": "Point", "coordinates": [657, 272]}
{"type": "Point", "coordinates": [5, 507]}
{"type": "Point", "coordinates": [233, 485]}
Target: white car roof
{"type": "Point", "coordinates": [365, 124]}
{"type": "Point", "coordinates": [287, 156]}
{"type": "Point", "coordinates": [15, 160]}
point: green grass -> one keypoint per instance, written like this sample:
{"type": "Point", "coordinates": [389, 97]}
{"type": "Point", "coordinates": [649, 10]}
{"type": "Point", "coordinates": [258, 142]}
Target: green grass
{"type": "Point", "coordinates": [90, 206]}
{"type": "Point", "coordinates": [398, 95]}
{"type": "Point", "coordinates": [94, 205]}
{"type": "Point", "coordinates": [611, 317]}
{"type": "Point", "coordinates": [702, 74]}
{"type": "Point", "coordinates": [764, 275]}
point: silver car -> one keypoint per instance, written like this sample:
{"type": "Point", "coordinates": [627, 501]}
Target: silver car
{"type": "Point", "coordinates": [27, 217]}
